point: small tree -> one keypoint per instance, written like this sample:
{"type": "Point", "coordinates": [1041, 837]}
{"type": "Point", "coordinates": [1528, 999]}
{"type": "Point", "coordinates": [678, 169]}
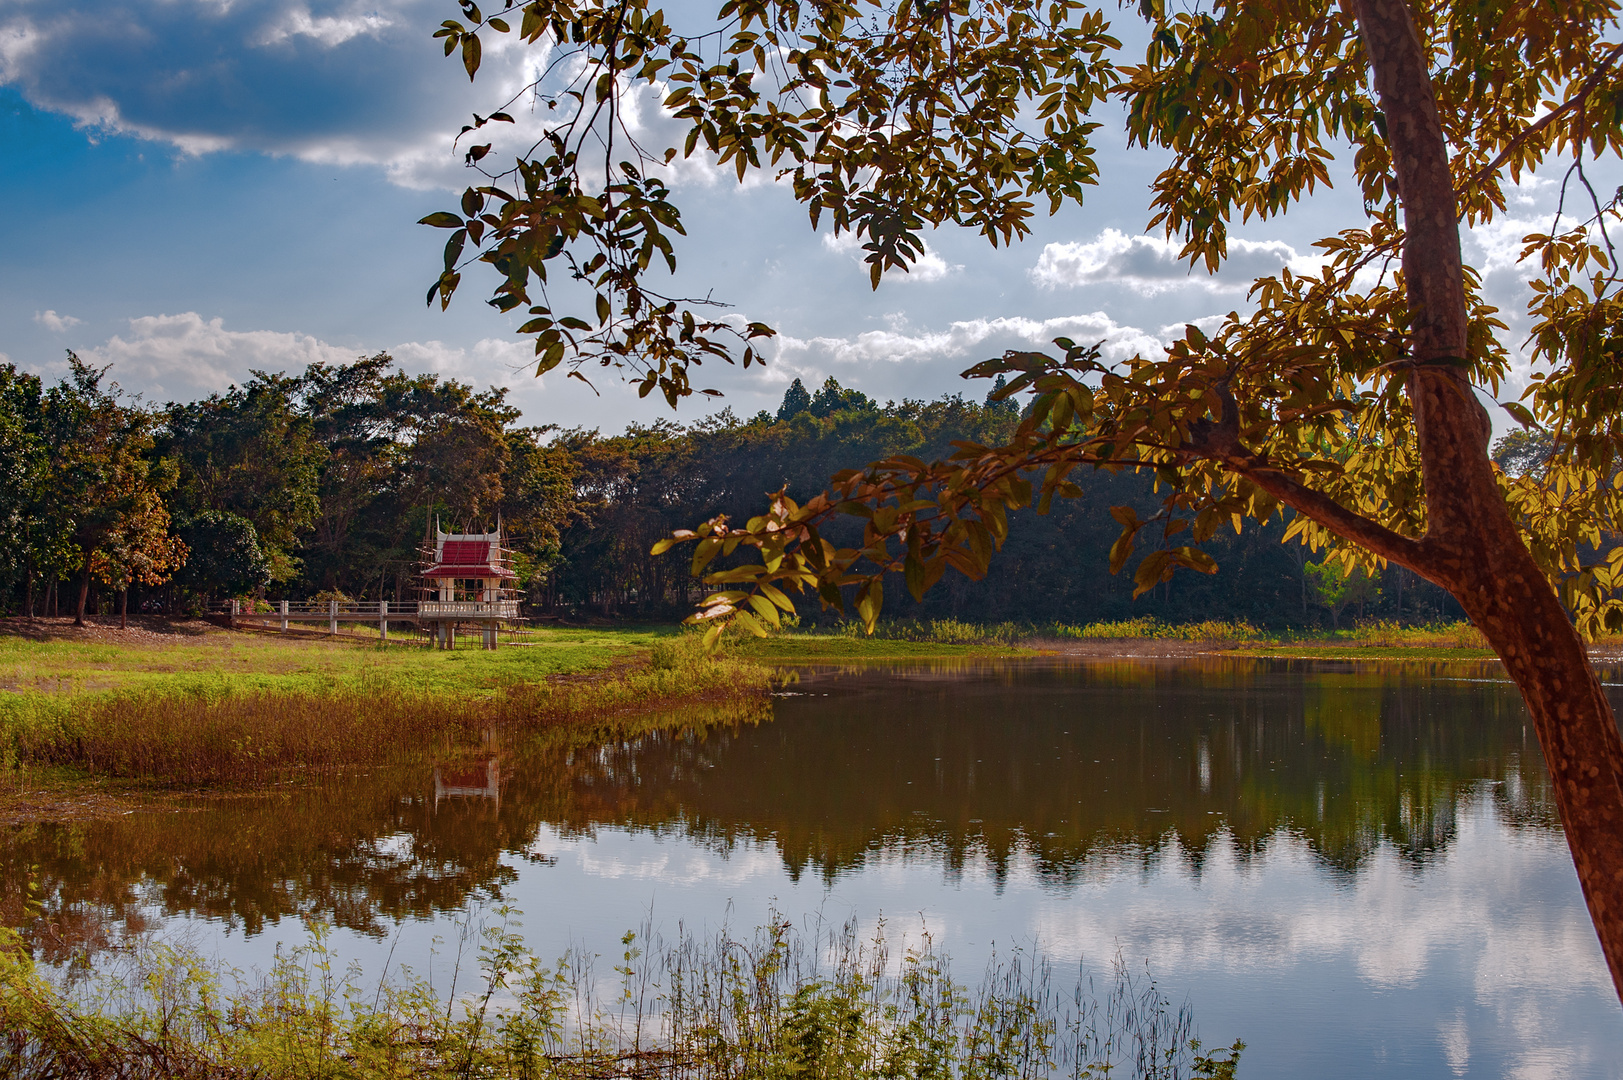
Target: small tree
{"type": "Point", "coordinates": [796, 400]}
{"type": "Point", "coordinates": [226, 555]}
{"type": "Point", "coordinates": [1337, 588]}
{"type": "Point", "coordinates": [138, 550]}
{"type": "Point", "coordinates": [101, 474]}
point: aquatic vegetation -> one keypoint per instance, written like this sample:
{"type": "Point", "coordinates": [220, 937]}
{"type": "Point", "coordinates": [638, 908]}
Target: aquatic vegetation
{"type": "Point", "coordinates": [1457, 635]}
{"type": "Point", "coordinates": [775, 1003]}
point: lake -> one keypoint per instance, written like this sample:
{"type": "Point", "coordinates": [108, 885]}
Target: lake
{"type": "Point", "coordinates": [1355, 867]}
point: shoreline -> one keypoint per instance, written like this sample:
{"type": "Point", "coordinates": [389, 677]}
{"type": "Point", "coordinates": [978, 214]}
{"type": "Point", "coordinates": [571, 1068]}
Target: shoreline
{"type": "Point", "coordinates": [70, 687]}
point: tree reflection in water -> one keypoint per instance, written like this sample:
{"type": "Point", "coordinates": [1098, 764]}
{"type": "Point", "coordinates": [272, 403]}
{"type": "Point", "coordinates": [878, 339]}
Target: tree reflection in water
{"type": "Point", "coordinates": [1063, 766]}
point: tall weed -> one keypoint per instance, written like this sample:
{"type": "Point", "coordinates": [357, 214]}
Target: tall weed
{"type": "Point", "coordinates": [774, 1005]}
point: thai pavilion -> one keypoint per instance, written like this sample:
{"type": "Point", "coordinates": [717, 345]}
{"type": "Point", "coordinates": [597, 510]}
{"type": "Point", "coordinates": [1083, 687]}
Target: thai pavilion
{"type": "Point", "coordinates": [468, 581]}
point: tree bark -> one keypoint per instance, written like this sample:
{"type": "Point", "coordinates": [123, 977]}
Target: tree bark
{"type": "Point", "coordinates": [84, 595]}
{"type": "Point", "coordinates": [1472, 546]}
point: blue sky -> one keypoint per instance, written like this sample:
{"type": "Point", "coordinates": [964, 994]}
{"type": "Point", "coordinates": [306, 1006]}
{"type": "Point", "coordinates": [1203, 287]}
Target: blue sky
{"type": "Point", "coordinates": [198, 188]}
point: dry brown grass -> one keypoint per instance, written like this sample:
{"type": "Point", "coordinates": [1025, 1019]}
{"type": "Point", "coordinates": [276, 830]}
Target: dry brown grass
{"type": "Point", "coordinates": [256, 736]}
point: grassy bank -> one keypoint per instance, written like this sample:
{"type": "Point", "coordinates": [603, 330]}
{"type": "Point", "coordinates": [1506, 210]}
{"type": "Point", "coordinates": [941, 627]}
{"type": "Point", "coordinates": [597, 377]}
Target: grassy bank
{"type": "Point", "coordinates": [1215, 632]}
{"type": "Point", "coordinates": [222, 707]}
{"type": "Point", "coordinates": [195, 706]}
{"type": "Point", "coordinates": [904, 640]}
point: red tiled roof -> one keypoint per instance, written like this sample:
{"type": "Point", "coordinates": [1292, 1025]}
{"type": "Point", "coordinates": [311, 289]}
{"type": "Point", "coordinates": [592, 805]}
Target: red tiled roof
{"type": "Point", "coordinates": [465, 553]}
{"type": "Point", "coordinates": [468, 559]}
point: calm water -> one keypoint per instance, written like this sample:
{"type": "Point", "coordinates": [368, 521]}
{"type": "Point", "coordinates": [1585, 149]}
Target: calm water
{"type": "Point", "coordinates": [1356, 869]}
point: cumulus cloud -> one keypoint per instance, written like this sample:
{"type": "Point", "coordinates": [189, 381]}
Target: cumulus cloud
{"type": "Point", "coordinates": [901, 344]}
{"type": "Point", "coordinates": [185, 356]}
{"type": "Point", "coordinates": [54, 322]}
{"type": "Point", "coordinates": [340, 82]}
{"type": "Point", "coordinates": [1149, 265]}
{"type": "Point", "coordinates": [330, 30]}
{"type": "Point", "coordinates": [181, 356]}
{"type": "Point", "coordinates": [487, 360]}
{"type": "Point", "coordinates": [334, 81]}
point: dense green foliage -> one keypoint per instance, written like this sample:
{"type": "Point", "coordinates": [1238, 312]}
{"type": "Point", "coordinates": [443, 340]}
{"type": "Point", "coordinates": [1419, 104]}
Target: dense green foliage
{"type": "Point", "coordinates": [324, 482]}
{"type": "Point", "coordinates": [638, 487]}
{"type": "Point", "coordinates": [289, 485]}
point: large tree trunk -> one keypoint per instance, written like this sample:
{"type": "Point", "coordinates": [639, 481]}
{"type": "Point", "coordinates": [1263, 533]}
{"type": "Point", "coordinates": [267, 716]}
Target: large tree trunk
{"type": "Point", "coordinates": [1472, 546]}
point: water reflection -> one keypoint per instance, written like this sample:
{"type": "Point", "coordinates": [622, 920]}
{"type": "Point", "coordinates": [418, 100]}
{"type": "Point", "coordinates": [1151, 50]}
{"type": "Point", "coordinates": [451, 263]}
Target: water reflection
{"type": "Point", "coordinates": [1357, 868]}
{"type": "Point", "coordinates": [1064, 762]}
{"type": "Point", "coordinates": [1053, 766]}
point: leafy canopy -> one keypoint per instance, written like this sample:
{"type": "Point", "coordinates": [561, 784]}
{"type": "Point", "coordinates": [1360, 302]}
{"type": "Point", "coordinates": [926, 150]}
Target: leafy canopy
{"type": "Point", "coordinates": [890, 118]}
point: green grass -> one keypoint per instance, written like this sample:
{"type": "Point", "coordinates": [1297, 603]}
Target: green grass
{"type": "Point", "coordinates": [956, 637]}
{"type": "Point", "coordinates": [815, 647]}
{"type": "Point", "coordinates": [219, 663]}
{"type": "Point", "coordinates": [233, 708]}
{"type": "Point", "coordinates": [1367, 652]}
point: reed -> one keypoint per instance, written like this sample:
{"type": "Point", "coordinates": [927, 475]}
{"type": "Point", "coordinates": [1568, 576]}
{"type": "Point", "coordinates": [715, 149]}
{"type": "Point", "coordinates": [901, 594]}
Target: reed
{"type": "Point", "coordinates": [1380, 634]}
{"type": "Point", "coordinates": [249, 735]}
{"type": "Point", "coordinates": [777, 1003]}
{"type": "Point", "coordinates": [1146, 627]}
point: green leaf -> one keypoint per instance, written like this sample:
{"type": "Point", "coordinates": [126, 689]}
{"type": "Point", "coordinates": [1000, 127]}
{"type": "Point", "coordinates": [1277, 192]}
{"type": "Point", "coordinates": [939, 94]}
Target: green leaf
{"type": "Point", "coordinates": [766, 609]}
{"type": "Point", "coordinates": [1520, 413]}
{"type": "Point", "coordinates": [913, 573]}
{"type": "Point", "coordinates": [442, 220]}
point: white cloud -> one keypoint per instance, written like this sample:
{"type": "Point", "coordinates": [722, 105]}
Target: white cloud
{"type": "Point", "coordinates": [347, 82]}
{"type": "Point", "coordinates": [54, 322]}
{"type": "Point", "coordinates": [1150, 265]}
{"type": "Point", "coordinates": [354, 82]}
{"type": "Point", "coordinates": [900, 345]}
{"type": "Point", "coordinates": [329, 30]}
{"type": "Point", "coordinates": [929, 267]}
{"type": "Point", "coordinates": [180, 357]}
{"type": "Point", "coordinates": [489, 360]}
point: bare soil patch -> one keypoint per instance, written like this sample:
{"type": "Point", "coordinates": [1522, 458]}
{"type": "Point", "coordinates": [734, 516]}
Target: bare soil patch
{"type": "Point", "coordinates": [149, 630]}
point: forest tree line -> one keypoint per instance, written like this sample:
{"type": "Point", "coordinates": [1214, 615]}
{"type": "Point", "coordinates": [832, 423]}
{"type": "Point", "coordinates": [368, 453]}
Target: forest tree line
{"type": "Point", "coordinates": [323, 485]}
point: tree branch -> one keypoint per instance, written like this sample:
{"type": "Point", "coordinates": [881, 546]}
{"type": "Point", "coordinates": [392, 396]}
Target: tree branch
{"type": "Point", "coordinates": [1573, 102]}
{"type": "Point", "coordinates": [1219, 441]}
